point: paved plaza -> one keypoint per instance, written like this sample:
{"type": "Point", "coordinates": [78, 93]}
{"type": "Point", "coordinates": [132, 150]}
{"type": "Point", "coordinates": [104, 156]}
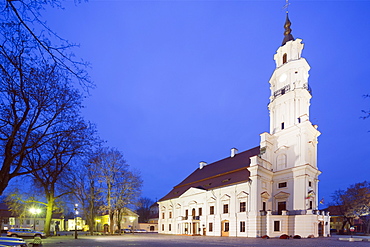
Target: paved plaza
{"type": "Point", "coordinates": [158, 240]}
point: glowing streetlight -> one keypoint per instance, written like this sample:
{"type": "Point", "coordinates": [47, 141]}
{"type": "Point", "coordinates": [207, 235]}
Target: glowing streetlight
{"type": "Point", "coordinates": [34, 211]}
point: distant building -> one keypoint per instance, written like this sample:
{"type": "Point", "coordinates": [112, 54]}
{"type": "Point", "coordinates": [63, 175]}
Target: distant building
{"type": "Point", "coordinates": [10, 220]}
{"type": "Point", "coordinates": [271, 189]}
{"type": "Point", "coordinates": [129, 220]}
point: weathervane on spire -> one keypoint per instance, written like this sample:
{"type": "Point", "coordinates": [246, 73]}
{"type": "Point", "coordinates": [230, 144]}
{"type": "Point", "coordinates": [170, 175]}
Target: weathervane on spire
{"type": "Point", "coordinates": [286, 6]}
{"type": "Point", "coordinates": [288, 32]}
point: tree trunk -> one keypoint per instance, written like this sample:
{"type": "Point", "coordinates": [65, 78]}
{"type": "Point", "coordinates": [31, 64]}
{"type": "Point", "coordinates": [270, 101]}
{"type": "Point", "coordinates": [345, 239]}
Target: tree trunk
{"type": "Point", "coordinates": [49, 212]}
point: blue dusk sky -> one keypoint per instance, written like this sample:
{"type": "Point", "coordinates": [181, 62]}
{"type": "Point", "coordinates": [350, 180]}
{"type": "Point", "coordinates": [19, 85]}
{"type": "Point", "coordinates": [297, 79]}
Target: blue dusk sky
{"type": "Point", "coordinates": [179, 82]}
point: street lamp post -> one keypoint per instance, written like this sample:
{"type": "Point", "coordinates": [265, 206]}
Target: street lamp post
{"type": "Point", "coordinates": [76, 213]}
{"type": "Point", "coordinates": [34, 211]}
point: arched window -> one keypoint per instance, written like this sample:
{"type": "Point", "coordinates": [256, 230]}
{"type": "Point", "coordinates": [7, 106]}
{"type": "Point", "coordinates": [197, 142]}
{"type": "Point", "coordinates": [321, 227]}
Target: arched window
{"type": "Point", "coordinates": [285, 58]}
{"type": "Point", "coordinates": [281, 161]}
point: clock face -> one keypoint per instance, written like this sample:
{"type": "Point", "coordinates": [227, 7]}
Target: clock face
{"type": "Point", "coordinates": [283, 77]}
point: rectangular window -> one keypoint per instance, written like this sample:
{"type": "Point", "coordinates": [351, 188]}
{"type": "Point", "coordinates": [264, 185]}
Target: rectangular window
{"type": "Point", "coordinates": [169, 227]}
{"type": "Point", "coordinates": [186, 214]}
{"type": "Point", "coordinates": [242, 207]}
{"type": "Point", "coordinates": [210, 226]}
{"type": "Point", "coordinates": [170, 215]}
{"type": "Point", "coordinates": [200, 211]}
{"type": "Point", "coordinates": [309, 184]}
{"type": "Point", "coordinates": [162, 215]}
{"type": "Point", "coordinates": [281, 207]}
{"type": "Point", "coordinates": [299, 120]}
{"type": "Point", "coordinates": [162, 227]}
{"type": "Point", "coordinates": [226, 227]}
{"type": "Point", "coordinates": [264, 206]}
{"type": "Point", "coordinates": [27, 222]}
{"type": "Point", "coordinates": [212, 210]}
{"type": "Point", "coordinates": [282, 185]}
{"type": "Point", "coordinates": [226, 208]}
{"type": "Point", "coordinates": [276, 226]}
{"type": "Point", "coordinates": [311, 205]}
{"type": "Point", "coordinates": [282, 125]}
{"type": "Point", "coordinates": [242, 226]}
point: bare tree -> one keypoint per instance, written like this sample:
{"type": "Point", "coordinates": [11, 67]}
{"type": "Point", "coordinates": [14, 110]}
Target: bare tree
{"type": "Point", "coordinates": [119, 185]}
{"type": "Point", "coordinates": [143, 209]}
{"type": "Point", "coordinates": [354, 203]}
{"type": "Point", "coordinates": [33, 76]}
{"type": "Point", "coordinates": [57, 154]}
{"type": "Point", "coordinates": [85, 187]}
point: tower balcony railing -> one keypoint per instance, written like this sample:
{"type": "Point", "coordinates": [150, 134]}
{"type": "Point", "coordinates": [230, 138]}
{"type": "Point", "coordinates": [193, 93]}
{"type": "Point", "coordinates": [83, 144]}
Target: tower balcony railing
{"type": "Point", "coordinates": [264, 163]}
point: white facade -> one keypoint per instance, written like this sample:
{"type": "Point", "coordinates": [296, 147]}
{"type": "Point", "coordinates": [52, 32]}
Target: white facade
{"type": "Point", "coordinates": [279, 195]}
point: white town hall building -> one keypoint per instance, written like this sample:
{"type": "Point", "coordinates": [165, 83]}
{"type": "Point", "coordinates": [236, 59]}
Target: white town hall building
{"type": "Point", "coordinates": [269, 190]}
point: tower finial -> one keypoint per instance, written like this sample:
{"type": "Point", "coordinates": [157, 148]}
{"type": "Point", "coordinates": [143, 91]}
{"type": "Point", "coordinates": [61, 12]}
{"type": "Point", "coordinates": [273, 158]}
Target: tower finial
{"type": "Point", "coordinates": [288, 32]}
{"type": "Point", "coordinates": [286, 6]}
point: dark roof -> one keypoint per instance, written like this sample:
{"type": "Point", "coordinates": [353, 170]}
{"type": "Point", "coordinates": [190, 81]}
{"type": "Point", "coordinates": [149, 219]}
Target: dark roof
{"type": "Point", "coordinates": [221, 173]}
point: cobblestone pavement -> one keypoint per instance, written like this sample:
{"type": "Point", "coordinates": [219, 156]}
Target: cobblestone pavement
{"type": "Point", "coordinates": [158, 240]}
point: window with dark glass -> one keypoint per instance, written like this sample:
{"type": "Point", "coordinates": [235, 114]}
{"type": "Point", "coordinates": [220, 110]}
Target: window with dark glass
{"type": "Point", "coordinates": [285, 58]}
{"type": "Point", "coordinates": [282, 125]}
{"type": "Point", "coordinates": [310, 205]}
{"type": "Point", "coordinates": [200, 211]}
{"type": "Point", "coordinates": [242, 226]}
{"type": "Point", "coordinates": [212, 210]}
{"type": "Point", "coordinates": [242, 206]}
{"type": "Point", "coordinates": [210, 226]}
{"type": "Point", "coordinates": [276, 226]}
{"type": "Point", "coordinates": [264, 206]}
{"type": "Point", "coordinates": [226, 208]}
{"type": "Point", "coordinates": [162, 227]}
{"type": "Point", "coordinates": [309, 184]}
{"type": "Point", "coordinates": [186, 213]}
{"type": "Point", "coordinates": [281, 207]}
{"type": "Point", "coordinates": [282, 185]}
{"type": "Point", "coordinates": [226, 229]}
{"type": "Point", "coordinates": [170, 215]}
{"type": "Point", "coordinates": [169, 227]}
{"type": "Point", "coordinates": [162, 215]}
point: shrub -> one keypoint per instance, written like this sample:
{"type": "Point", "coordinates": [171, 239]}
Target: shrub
{"type": "Point", "coordinates": [284, 236]}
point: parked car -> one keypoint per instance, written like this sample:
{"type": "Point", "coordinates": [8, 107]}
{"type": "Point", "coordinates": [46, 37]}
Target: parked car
{"type": "Point", "coordinates": [14, 242]}
{"type": "Point", "coordinates": [24, 232]}
{"type": "Point", "coordinates": [126, 230]}
{"type": "Point", "coordinates": [139, 230]}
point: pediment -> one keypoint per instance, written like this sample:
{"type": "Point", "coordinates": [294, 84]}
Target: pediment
{"type": "Point", "coordinates": [282, 195]}
{"type": "Point", "coordinates": [242, 194]}
{"type": "Point", "coordinates": [225, 197]}
{"type": "Point", "coordinates": [192, 191]}
{"type": "Point", "coordinates": [211, 199]}
{"type": "Point", "coordinates": [265, 195]}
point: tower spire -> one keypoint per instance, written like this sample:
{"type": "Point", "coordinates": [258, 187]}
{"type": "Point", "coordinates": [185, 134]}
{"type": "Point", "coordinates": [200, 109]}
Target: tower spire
{"type": "Point", "coordinates": [288, 31]}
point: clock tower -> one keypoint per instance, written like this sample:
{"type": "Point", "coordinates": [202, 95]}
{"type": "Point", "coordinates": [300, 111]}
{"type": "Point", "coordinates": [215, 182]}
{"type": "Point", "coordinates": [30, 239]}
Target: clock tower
{"type": "Point", "coordinates": [291, 145]}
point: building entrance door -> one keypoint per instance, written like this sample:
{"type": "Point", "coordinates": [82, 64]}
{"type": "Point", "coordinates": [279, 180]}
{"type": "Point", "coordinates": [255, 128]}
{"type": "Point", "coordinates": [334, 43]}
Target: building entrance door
{"type": "Point", "coordinates": [321, 229]}
{"type": "Point", "coordinates": [225, 228]}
